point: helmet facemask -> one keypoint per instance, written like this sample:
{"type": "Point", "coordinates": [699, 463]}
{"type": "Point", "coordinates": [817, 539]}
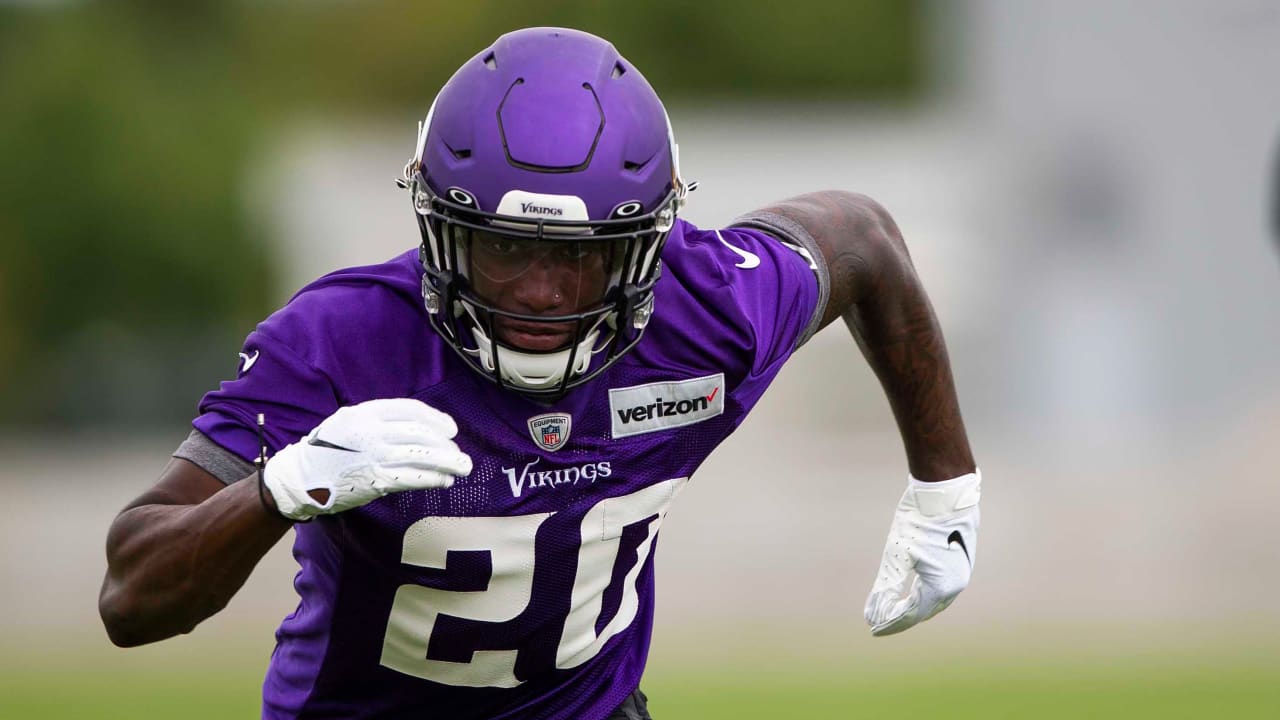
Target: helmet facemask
{"type": "Point", "coordinates": [467, 253]}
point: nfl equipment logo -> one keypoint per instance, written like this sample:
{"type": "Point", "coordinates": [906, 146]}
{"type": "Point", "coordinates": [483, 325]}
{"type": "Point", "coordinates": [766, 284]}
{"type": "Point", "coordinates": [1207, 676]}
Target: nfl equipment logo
{"type": "Point", "coordinates": [550, 431]}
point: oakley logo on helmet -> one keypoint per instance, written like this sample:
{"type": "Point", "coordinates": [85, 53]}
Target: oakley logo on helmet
{"type": "Point", "coordinates": [460, 196]}
{"type": "Point", "coordinates": [627, 209]}
{"type": "Point", "coordinates": [660, 406]}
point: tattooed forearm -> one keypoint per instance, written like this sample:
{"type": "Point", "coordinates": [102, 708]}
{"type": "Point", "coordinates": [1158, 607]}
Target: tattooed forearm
{"type": "Point", "coordinates": [874, 287]}
{"type": "Point", "coordinates": [903, 343]}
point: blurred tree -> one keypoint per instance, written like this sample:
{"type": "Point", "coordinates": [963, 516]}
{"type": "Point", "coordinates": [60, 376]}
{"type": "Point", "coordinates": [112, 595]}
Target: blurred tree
{"type": "Point", "coordinates": [393, 54]}
{"type": "Point", "coordinates": [127, 246]}
{"type": "Point", "coordinates": [124, 229]}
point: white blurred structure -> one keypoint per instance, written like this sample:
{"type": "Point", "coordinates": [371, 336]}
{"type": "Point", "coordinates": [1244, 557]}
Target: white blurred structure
{"type": "Point", "coordinates": [1144, 134]}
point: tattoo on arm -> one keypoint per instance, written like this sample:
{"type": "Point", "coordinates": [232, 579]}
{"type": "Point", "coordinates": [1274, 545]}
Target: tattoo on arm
{"type": "Point", "coordinates": [874, 287]}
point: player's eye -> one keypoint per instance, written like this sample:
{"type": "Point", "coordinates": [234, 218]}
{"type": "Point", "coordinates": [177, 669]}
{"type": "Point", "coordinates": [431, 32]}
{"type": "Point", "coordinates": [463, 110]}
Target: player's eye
{"type": "Point", "coordinates": [575, 251]}
{"type": "Point", "coordinates": [498, 246]}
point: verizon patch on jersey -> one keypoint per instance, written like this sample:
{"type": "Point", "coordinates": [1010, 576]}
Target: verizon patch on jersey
{"type": "Point", "coordinates": [659, 406]}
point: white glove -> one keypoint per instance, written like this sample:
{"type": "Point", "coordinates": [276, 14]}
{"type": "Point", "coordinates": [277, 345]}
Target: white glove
{"type": "Point", "coordinates": [929, 555]}
{"type": "Point", "coordinates": [363, 452]}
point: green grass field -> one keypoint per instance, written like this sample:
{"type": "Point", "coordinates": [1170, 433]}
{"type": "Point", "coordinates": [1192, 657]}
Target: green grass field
{"type": "Point", "coordinates": [1119, 689]}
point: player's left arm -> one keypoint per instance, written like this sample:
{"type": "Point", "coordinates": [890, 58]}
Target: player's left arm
{"type": "Point", "coordinates": [874, 287]}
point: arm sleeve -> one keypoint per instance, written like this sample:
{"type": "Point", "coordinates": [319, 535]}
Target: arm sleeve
{"type": "Point", "coordinates": [292, 394]}
{"type": "Point", "coordinates": [213, 458]}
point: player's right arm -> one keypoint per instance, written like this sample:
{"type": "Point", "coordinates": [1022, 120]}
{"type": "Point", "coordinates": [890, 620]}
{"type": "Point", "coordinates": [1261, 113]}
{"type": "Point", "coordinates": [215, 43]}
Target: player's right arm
{"type": "Point", "coordinates": [178, 553]}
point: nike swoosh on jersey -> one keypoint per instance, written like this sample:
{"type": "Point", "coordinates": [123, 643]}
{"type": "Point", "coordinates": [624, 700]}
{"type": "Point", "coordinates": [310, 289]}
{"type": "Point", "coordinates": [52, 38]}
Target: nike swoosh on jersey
{"type": "Point", "coordinates": [956, 537]}
{"type": "Point", "coordinates": [749, 259]}
{"type": "Point", "coordinates": [249, 361]}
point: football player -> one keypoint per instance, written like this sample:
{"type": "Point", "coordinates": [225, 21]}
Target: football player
{"type": "Point", "coordinates": [476, 442]}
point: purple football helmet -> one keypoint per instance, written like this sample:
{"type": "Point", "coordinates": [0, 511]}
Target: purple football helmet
{"type": "Point", "coordinates": [547, 139]}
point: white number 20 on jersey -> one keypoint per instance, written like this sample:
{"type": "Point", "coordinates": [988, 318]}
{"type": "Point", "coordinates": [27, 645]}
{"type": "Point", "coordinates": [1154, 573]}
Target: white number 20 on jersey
{"type": "Point", "coordinates": [510, 544]}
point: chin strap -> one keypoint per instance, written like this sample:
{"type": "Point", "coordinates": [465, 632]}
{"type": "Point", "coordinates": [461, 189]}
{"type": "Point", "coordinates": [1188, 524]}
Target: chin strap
{"type": "Point", "coordinates": [533, 371]}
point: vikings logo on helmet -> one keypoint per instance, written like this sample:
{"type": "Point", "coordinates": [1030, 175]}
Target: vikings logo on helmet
{"type": "Point", "coordinates": [547, 135]}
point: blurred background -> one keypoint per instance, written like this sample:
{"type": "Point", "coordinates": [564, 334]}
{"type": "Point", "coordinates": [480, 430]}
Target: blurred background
{"type": "Point", "coordinates": [1089, 191]}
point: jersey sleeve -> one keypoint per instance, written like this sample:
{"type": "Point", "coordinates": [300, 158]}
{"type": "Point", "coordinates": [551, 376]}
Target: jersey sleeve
{"type": "Point", "coordinates": [775, 291]}
{"type": "Point", "coordinates": [275, 380]}
{"type": "Point", "coordinates": [350, 336]}
{"type": "Point", "coordinates": [795, 237]}
{"type": "Point", "coordinates": [766, 288]}
{"type": "Point", "coordinates": [759, 297]}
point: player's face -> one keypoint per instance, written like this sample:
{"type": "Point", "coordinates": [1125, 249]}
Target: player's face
{"type": "Point", "coordinates": [544, 278]}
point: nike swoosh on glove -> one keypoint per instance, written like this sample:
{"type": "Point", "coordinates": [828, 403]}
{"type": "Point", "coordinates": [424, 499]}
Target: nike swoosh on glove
{"type": "Point", "coordinates": [929, 556]}
{"type": "Point", "coordinates": [363, 452]}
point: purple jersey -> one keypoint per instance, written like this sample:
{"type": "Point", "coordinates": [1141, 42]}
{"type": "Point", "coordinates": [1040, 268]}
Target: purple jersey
{"type": "Point", "coordinates": [526, 589]}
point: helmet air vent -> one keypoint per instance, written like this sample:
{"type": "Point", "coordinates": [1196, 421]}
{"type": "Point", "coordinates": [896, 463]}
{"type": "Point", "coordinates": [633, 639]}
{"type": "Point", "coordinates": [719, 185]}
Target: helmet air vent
{"type": "Point", "coordinates": [618, 71]}
{"type": "Point", "coordinates": [490, 61]}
